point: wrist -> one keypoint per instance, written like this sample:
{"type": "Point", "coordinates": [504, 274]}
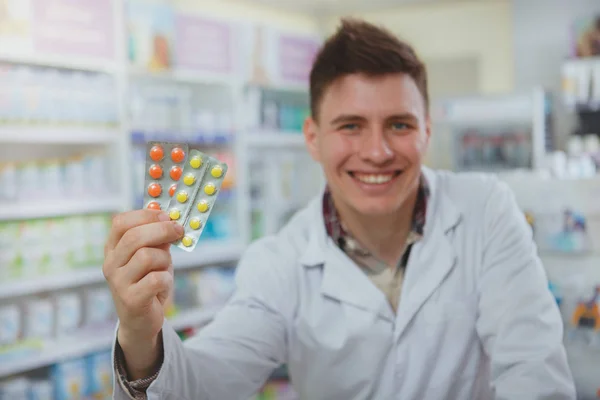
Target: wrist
{"type": "Point", "coordinates": [142, 357]}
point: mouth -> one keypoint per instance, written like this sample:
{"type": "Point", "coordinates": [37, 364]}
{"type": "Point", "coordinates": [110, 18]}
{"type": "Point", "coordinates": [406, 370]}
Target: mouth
{"type": "Point", "coordinates": [379, 178]}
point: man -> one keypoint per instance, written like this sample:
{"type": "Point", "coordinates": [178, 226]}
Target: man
{"type": "Point", "coordinates": [397, 282]}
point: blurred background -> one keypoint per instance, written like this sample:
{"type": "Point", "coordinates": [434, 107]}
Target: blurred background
{"type": "Point", "coordinates": [515, 87]}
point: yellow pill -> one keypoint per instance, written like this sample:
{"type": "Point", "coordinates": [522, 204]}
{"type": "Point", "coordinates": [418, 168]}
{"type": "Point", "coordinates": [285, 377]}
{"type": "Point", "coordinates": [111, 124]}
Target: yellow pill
{"type": "Point", "coordinates": [189, 179]}
{"type": "Point", "coordinates": [174, 214]}
{"type": "Point", "coordinates": [182, 197]}
{"type": "Point", "coordinates": [187, 241]}
{"type": "Point", "coordinates": [216, 171]}
{"type": "Point", "coordinates": [195, 223]}
{"type": "Point", "coordinates": [196, 162]}
{"type": "Point", "coordinates": [203, 206]}
{"type": "Point", "coordinates": [210, 189]}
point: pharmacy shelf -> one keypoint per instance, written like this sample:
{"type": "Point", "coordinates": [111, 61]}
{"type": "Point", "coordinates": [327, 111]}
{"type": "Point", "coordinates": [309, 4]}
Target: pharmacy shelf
{"type": "Point", "coordinates": [183, 76]}
{"type": "Point", "coordinates": [86, 342]}
{"type": "Point", "coordinates": [57, 135]}
{"type": "Point", "coordinates": [205, 254]}
{"type": "Point", "coordinates": [194, 318]}
{"type": "Point", "coordinates": [66, 280]}
{"type": "Point", "coordinates": [275, 140]}
{"type": "Point", "coordinates": [208, 252]}
{"type": "Point", "coordinates": [81, 64]}
{"type": "Point", "coordinates": [300, 88]}
{"type": "Point", "coordinates": [201, 139]}
{"type": "Point", "coordinates": [57, 208]}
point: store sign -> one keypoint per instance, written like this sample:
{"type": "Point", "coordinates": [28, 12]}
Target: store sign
{"type": "Point", "coordinates": [296, 55]}
{"type": "Point", "coordinates": [74, 28]}
{"type": "Point", "coordinates": [204, 45]}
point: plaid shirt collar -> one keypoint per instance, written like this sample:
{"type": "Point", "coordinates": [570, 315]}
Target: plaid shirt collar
{"type": "Point", "coordinates": [348, 244]}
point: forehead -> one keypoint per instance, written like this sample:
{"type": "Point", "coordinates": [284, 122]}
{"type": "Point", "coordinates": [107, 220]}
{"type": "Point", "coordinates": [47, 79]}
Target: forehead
{"type": "Point", "coordinates": [373, 96]}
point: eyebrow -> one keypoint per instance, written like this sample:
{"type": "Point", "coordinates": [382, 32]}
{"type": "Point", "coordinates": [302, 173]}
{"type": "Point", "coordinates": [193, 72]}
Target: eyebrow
{"type": "Point", "coordinates": [354, 118]}
{"type": "Point", "coordinates": [404, 116]}
{"type": "Point", "coordinates": [346, 118]}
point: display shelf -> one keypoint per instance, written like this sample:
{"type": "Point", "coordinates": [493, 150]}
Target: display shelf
{"type": "Point", "coordinates": [282, 88]}
{"type": "Point", "coordinates": [200, 139]}
{"type": "Point", "coordinates": [194, 318]}
{"type": "Point", "coordinates": [279, 139]}
{"type": "Point", "coordinates": [56, 208]}
{"type": "Point", "coordinates": [42, 134]}
{"type": "Point", "coordinates": [182, 76]}
{"type": "Point", "coordinates": [53, 351]}
{"type": "Point", "coordinates": [86, 342]}
{"type": "Point", "coordinates": [81, 64]}
{"type": "Point", "coordinates": [208, 252]}
{"type": "Point", "coordinates": [65, 280]}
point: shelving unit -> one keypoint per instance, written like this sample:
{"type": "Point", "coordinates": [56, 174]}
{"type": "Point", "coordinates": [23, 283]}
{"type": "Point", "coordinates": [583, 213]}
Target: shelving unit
{"type": "Point", "coordinates": [46, 60]}
{"type": "Point", "coordinates": [182, 76]}
{"type": "Point", "coordinates": [89, 341]}
{"type": "Point", "coordinates": [58, 208]}
{"type": "Point", "coordinates": [17, 134]}
{"type": "Point", "coordinates": [207, 254]}
{"type": "Point", "coordinates": [275, 140]}
{"type": "Point", "coordinates": [66, 280]}
{"type": "Point", "coordinates": [37, 140]}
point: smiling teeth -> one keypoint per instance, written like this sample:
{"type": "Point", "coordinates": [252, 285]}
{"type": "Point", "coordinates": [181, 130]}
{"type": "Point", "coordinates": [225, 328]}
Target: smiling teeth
{"type": "Point", "coordinates": [374, 179]}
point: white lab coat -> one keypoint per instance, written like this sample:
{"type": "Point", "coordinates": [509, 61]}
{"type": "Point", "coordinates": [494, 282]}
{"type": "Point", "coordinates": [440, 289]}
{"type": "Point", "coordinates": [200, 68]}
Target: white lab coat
{"type": "Point", "coordinates": [475, 319]}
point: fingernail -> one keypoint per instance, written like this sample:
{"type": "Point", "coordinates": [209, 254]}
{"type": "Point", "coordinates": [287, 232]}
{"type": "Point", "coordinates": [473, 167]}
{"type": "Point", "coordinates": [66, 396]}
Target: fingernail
{"type": "Point", "coordinates": [164, 217]}
{"type": "Point", "coordinates": [178, 228]}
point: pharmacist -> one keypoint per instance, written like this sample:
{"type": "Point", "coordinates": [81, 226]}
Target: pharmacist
{"type": "Point", "coordinates": [396, 282]}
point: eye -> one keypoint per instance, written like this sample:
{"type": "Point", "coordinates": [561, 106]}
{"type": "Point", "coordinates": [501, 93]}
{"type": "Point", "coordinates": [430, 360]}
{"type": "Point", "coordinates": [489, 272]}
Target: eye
{"type": "Point", "coordinates": [399, 126]}
{"type": "Point", "coordinates": [349, 127]}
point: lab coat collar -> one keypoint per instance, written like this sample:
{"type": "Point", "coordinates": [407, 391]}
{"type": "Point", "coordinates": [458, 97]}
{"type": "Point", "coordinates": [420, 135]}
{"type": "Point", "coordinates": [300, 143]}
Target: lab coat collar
{"type": "Point", "coordinates": [342, 278]}
{"type": "Point", "coordinates": [432, 258]}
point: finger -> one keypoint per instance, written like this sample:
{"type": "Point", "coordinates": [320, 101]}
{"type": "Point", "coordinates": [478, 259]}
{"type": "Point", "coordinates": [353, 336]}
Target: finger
{"type": "Point", "coordinates": [149, 235]}
{"type": "Point", "coordinates": [153, 284]}
{"type": "Point", "coordinates": [123, 222]}
{"type": "Point", "coordinates": [144, 261]}
{"type": "Point", "coordinates": [165, 247]}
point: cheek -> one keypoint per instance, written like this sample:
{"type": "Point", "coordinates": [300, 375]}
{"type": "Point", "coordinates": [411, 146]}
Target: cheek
{"type": "Point", "coordinates": [335, 150]}
{"type": "Point", "coordinates": [412, 147]}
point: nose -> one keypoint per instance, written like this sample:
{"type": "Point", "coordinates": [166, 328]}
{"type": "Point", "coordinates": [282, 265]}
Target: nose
{"type": "Point", "coordinates": [374, 147]}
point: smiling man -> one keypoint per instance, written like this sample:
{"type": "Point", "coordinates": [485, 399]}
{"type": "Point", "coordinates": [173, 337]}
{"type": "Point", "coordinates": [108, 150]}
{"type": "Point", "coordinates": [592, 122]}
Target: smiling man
{"type": "Point", "coordinates": [396, 282]}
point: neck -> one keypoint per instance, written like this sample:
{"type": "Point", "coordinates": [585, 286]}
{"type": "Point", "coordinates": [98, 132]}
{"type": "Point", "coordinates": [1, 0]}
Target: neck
{"type": "Point", "coordinates": [380, 234]}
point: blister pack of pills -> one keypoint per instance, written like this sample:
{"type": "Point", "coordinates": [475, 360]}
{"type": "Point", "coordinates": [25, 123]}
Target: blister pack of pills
{"type": "Point", "coordinates": [195, 196]}
{"type": "Point", "coordinates": [185, 183]}
{"type": "Point", "coordinates": [164, 168]}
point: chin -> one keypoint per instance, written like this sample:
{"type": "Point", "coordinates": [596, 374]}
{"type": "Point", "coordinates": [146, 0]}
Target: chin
{"type": "Point", "coordinates": [376, 208]}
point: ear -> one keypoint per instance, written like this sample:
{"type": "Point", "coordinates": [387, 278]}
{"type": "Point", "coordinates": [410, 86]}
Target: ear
{"type": "Point", "coordinates": [427, 138]}
{"type": "Point", "coordinates": [311, 137]}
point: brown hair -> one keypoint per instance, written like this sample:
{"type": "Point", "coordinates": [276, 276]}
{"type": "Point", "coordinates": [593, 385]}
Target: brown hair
{"type": "Point", "coordinates": [359, 47]}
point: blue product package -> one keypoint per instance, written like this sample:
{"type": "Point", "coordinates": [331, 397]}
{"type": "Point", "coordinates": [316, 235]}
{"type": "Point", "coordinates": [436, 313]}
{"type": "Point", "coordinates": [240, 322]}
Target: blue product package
{"type": "Point", "coordinates": [40, 390]}
{"type": "Point", "coordinates": [69, 380]}
{"type": "Point", "coordinates": [99, 382]}
{"type": "Point", "coordinates": [555, 292]}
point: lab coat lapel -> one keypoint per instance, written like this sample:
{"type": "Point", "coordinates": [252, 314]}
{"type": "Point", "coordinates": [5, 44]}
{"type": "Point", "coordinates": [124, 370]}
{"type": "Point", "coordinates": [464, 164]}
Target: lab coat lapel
{"type": "Point", "coordinates": [432, 258]}
{"type": "Point", "coordinates": [342, 279]}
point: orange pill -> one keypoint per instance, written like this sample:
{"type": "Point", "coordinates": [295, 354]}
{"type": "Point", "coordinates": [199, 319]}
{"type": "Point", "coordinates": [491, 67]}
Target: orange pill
{"type": "Point", "coordinates": [176, 173]}
{"type": "Point", "coordinates": [157, 153]}
{"type": "Point", "coordinates": [153, 206]}
{"type": "Point", "coordinates": [154, 189]}
{"type": "Point", "coordinates": [172, 189]}
{"type": "Point", "coordinates": [155, 171]}
{"type": "Point", "coordinates": [177, 155]}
